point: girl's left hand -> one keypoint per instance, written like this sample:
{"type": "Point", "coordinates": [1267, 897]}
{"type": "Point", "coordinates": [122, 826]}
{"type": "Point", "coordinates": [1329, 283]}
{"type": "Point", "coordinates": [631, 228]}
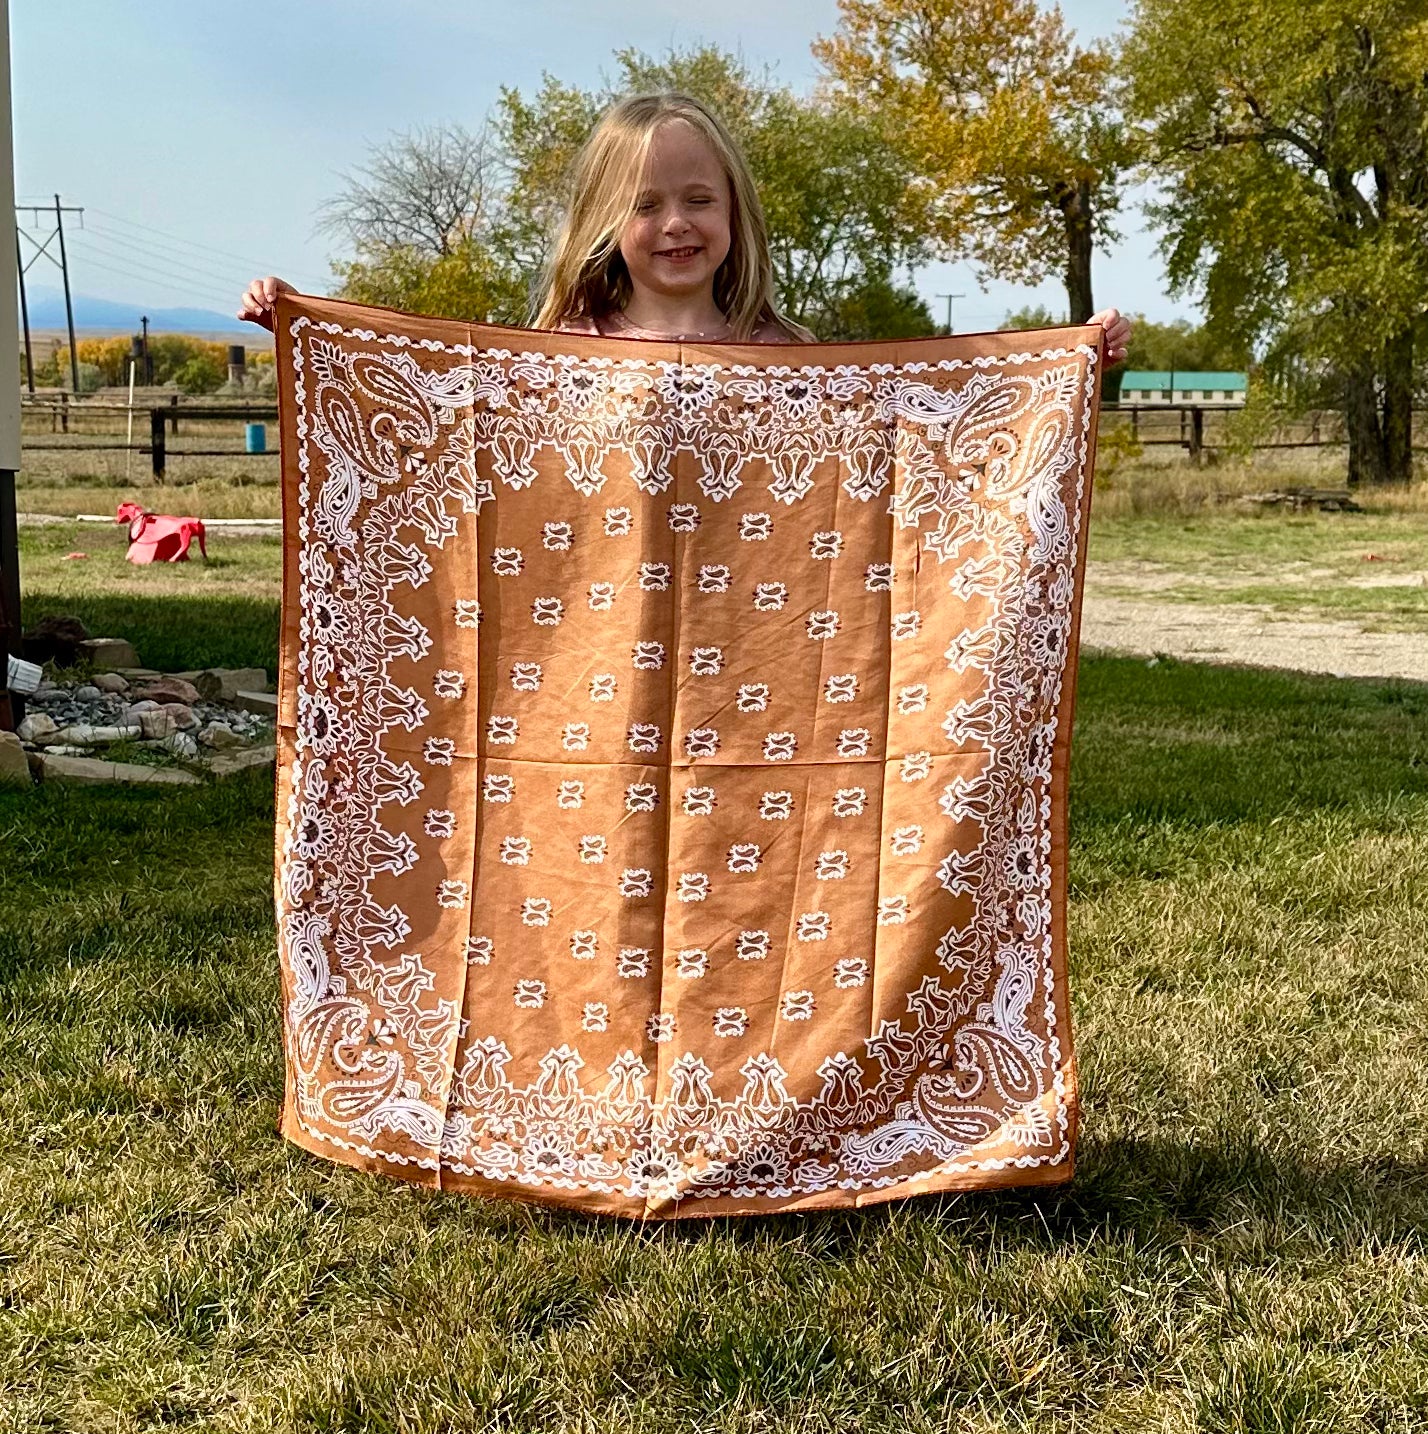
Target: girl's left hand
{"type": "Point", "coordinates": [1118, 332]}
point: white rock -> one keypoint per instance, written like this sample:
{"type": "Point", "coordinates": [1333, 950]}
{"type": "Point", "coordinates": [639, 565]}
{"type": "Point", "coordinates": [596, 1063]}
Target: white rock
{"type": "Point", "coordinates": [218, 736]}
{"type": "Point", "coordinates": [155, 724]}
{"type": "Point", "coordinates": [107, 653]}
{"type": "Point", "coordinates": [89, 771]}
{"type": "Point", "coordinates": [226, 763]}
{"type": "Point", "coordinates": [181, 745]}
{"type": "Point", "coordinates": [83, 735]}
{"type": "Point", "coordinates": [110, 682]}
{"type": "Point", "coordinates": [37, 727]}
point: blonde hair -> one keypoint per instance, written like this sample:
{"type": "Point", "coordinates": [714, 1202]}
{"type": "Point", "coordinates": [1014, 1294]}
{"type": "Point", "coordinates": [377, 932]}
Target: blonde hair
{"type": "Point", "coordinates": [586, 276]}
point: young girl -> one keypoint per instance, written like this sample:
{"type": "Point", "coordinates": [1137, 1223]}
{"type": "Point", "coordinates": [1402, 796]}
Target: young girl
{"type": "Point", "coordinates": [664, 238]}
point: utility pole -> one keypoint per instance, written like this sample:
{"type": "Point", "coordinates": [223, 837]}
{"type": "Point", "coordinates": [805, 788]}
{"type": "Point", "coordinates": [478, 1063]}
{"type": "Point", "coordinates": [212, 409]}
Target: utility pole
{"type": "Point", "coordinates": [60, 210]}
{"type": "Point", "coordinates": [949, 298]}
{"type": "Point", "coordinates": [25, 320]}
{"type": "Point", "coordinates": [148, 362]}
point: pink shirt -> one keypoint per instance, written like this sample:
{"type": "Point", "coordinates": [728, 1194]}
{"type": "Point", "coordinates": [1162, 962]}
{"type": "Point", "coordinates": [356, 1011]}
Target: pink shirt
{"type": "Point", "coordinates": [618, 326]}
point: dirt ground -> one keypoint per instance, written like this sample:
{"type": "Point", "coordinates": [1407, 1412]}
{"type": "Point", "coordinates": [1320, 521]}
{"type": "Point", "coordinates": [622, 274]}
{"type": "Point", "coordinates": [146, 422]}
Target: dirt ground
{"type": "Point", "coordinates": [1205, 632]}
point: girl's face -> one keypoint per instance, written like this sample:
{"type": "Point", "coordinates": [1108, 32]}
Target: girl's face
{"type": "Point", "coordinates": [678, 235]}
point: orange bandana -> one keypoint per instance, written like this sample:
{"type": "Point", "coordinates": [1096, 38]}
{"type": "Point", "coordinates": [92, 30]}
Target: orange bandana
{"type": "Point", "coordinates": [672, 795]}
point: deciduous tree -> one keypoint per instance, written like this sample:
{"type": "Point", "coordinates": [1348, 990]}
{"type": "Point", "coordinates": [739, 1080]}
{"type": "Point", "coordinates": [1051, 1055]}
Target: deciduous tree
{"type": "Point", "coordinates": [1292, 136]}
{"type": "Point", "coordinates": [1011, 128]}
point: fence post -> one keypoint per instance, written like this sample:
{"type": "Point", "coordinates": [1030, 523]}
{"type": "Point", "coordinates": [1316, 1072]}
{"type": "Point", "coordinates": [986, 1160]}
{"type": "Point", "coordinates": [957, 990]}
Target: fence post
{"type": "Point", "coordinates": [64, 412]}
{"type": "Point", "coordinates": [173, 417]}
{"type": "Point", "coordinates": [156, 441]}
{"type": "Point", "coordinates": [1197, 435]}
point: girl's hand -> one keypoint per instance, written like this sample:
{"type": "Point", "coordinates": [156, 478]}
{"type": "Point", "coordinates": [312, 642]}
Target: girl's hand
{"type": "Point", "coordinates": [1118, 332]}
{"type": "Point", "coordinates": [259, 297]}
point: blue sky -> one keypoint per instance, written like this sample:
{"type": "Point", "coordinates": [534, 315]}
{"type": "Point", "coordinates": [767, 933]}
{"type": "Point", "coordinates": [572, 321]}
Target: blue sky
{"type": "Point", "coordinates": [201, 138]}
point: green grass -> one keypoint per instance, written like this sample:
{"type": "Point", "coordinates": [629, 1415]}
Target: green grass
{"type": "Point", "coordinates": [1244, 1249]}
{"type": "Point", "coordinates": [219, 613]}
{"type": "Point", "coordinates": [1369, 568]}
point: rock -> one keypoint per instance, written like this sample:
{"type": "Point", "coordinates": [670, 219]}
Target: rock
{"type": "Point", "coordinates": [227, 763]}
{"type": "Point", "coordinates": [90, 771]}
{"type": "Point", "coordinates": [265, 704]}
{"type": "Point", "coordinates": [54, 639]}
{"type": "Point", "coordinates": [64, 749]}
{"type": "Point", "coordinates": [110, 682]}
{"type": "Point", "coordinates": [219, 735]}
{"type": "Point", "coordinates": [157, 724]}
{"type": "Point", "coordinates": [139, 674]}
{"type": "Point", "coordinates": [83, 735]}
{"type": "Point", "coordinates": [223, 684]}
{"type": "Point", "coordinates": [180, 744]}
{"type": "Point", "coordinates": [14, 762]}
{"type": "Point", "coordinates": [87, 693]}
{"type": "Point", "coordinates": [171, 689]}
{"type": "Point", "coordinates": [37, 727]}
{"type": "Point", "coordinates": [135, 709]}
{"type": "Point", "coordinates": [181, 713]}
{"type": "Point", "coordinates": [105, 654]}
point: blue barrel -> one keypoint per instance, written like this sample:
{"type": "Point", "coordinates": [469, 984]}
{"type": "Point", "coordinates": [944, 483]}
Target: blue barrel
{"type": "Point", "coordinates": [255, 438]}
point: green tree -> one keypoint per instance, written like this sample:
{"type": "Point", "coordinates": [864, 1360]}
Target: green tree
{"type": "Point", "coordinates": [201, 374]}
{"type": "Point", "coordinates": [1181, 344]}
{"type": "Point", "coordinates": [470, 281]}
{"type": "Point", "coordinates": [1292, 136]}
{"type": "Point", "coordinates": [1011, 129]}
{"type": "Point", "coordinates": [1033, 316]}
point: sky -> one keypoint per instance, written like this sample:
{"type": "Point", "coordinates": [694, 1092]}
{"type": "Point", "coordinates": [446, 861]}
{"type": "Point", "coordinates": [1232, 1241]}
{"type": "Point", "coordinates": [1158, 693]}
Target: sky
{"type": "Point", "coordinates": [201, 139]}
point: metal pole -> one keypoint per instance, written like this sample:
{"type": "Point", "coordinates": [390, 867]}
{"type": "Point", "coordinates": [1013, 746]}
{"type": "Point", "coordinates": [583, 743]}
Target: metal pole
{"type": "Point", "coordinates": [9, 401]}
{"type": "Point", "coordinates": [148, 362]}
{"type": "Point", "coordinates": [68, 305]}
{"type": "Point", "coordinates": [25, 318]}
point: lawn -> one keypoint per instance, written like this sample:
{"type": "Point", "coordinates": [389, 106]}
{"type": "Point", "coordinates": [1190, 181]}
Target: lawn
{"type": "Point", "coordinates": [1170, 536]}
{"type": "Point", "coordinates": [1241, 1252]}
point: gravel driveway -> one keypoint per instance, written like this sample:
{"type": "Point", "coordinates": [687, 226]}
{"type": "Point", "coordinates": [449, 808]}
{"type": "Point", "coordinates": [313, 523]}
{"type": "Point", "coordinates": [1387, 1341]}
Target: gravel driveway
{"type": "Point", "coordinates": [1204, 632]}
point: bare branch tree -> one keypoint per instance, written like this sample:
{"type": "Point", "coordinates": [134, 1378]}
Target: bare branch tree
{"type": "Point", "coordinates": [427, 189]}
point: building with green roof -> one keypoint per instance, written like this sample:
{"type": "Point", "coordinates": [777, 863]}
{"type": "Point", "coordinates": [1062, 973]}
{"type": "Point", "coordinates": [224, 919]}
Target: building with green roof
{"type": "Point", "coordinates": [1181, 386]}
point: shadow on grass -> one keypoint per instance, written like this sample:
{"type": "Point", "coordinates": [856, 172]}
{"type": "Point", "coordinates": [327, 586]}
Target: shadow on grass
{"type": "Point", "coordinates": [1197, 744]}
{"type": "Point", "coordinates": [174, 633]}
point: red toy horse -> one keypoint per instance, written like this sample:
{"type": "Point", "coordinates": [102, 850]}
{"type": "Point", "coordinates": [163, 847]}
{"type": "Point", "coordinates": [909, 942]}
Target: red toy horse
{"type": "Point", "coordinates": [159, 538]}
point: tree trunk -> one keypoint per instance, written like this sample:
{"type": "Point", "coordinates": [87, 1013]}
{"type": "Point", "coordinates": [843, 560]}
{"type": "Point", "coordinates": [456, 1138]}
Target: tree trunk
{"type": "Point", "coordinates": [1074, 202]}
{"type": "Point", "coordinates": [1398, 408]}
{"type": "Point", "coordinates": [1366, 447]}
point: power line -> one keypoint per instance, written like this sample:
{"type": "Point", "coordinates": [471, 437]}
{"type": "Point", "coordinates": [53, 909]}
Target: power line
{"type": "Point", "coordinates": [192, 243]}
{"type": "Point", "coordinates": [148, 278]}
{"type": "Point", "coordinates": [128, 246]}
{"type": "Point", "coordinates": [210, 288]}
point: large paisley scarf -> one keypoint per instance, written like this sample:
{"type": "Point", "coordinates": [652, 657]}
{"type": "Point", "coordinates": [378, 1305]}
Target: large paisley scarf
{"type": "Point", "coordinates": [672, 783]}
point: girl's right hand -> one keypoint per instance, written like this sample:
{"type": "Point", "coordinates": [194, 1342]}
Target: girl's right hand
{"type": "Point", "coordinates": [259, 297]}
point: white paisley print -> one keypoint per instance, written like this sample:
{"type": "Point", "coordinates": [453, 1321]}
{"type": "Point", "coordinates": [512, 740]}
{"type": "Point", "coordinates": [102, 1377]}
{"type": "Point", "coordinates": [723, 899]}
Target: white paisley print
{"type": "Point", "coordinates": [672, 782]}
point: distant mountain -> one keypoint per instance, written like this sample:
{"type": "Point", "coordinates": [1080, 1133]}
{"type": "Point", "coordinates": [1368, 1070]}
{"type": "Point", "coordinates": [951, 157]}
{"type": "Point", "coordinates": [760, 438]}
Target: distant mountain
{"type": "Point", "coordinates": [46, 307]}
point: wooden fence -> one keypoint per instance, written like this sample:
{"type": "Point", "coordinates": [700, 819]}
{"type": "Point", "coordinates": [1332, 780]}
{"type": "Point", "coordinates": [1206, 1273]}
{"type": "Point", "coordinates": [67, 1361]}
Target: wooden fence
{"type": "Point", "coordinates": [1197, 428]}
